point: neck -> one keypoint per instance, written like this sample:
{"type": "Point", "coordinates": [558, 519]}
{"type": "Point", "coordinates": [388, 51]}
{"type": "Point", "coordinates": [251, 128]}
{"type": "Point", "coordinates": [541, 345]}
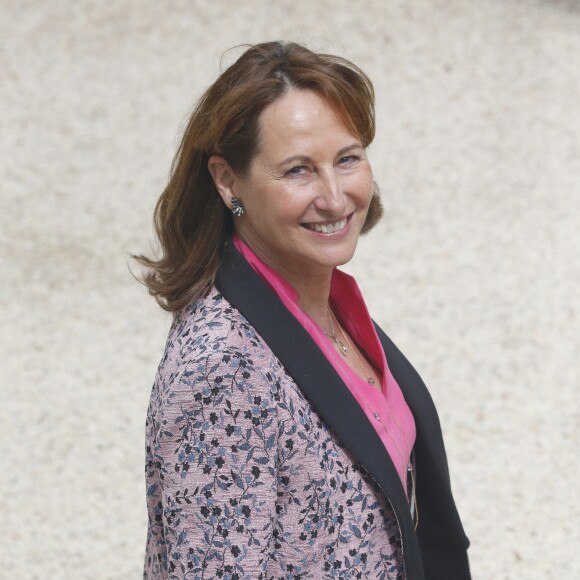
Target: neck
{"type": "Point", "coordinates": [313, 290]}
{"type": "Point", "coordinates": [313, 296]}
{"type": "Point", "coordinates": [312, 284]}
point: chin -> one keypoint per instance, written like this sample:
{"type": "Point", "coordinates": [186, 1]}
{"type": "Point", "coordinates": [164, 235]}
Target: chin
{"type": "Point", "coordinates": [338, 259]}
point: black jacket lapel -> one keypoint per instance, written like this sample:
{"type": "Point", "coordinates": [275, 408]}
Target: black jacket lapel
{"type": "Point", "coordinates": [320, 383]}
{"type": "Point", "coordinates": [444, 554]}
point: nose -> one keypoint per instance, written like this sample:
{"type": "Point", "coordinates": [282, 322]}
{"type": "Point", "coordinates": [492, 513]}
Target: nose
{"type": "Point", "coordinates": [330, 196]}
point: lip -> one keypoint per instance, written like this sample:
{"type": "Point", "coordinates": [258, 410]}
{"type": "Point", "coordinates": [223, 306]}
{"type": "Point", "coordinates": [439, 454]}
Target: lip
{"type": "Point", "coordinates": [331, 235]}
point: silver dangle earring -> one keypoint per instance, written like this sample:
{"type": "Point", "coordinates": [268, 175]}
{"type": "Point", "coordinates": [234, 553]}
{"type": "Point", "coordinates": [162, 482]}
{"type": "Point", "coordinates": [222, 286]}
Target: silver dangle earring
{"type": "Point", "coordinates": [237, 207]}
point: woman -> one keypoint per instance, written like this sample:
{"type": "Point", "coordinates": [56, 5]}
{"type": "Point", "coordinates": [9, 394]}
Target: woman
{"type": "Point", "coordinates": [287, 436]}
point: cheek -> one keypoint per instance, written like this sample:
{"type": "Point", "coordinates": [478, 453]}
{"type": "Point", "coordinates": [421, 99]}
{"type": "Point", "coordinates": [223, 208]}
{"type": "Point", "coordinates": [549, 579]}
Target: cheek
{"type": "Point", "coordinates": [290, 203]}
{"type": "Point", "coordinates": [363, 186]}
{"type": "Point", "coordinates": [274, 208]}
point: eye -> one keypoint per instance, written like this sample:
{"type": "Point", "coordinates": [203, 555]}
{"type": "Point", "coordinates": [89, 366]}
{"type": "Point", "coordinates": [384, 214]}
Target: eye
{"type": "Point", "coordinates": [297, 171]}
{"type": "Point", "coordinates": [348, 159]}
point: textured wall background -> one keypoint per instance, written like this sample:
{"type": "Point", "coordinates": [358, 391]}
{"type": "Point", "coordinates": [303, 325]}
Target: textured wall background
{"type": "Point", "coordinates": [473, 272]}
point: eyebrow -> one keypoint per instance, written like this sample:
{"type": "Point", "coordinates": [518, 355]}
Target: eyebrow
{"type": "Point", "coordinates": [306, 158]}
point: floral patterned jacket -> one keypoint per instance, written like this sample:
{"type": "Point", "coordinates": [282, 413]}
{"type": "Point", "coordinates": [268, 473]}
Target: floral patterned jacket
{"type": "Point", "coordinates": [259, 466]}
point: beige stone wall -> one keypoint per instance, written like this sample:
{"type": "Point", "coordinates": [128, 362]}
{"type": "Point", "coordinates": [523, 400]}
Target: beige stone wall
{"type": "Point", "coordinates": [474, 271]}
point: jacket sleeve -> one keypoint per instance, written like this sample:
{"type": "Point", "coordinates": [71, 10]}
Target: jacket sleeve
{"type": "Point", "coordinates": [214, 433]}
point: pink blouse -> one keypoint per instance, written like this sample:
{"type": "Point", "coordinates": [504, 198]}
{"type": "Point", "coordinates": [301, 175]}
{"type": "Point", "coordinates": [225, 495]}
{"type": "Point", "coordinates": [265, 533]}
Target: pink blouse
{"type": "Point", "coordinates": [386, 408]}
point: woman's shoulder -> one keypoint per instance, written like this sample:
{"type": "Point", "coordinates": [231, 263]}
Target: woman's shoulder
{"type": "Point", "coordinates": [213, 351]}
{"type": "Point", "coordinates": [210, 329]}
{"type": "Point", "coordinates": [208, 316]}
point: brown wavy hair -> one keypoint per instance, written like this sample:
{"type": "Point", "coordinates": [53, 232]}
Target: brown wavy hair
{"type": "Point", "coordinates": [191, 220]}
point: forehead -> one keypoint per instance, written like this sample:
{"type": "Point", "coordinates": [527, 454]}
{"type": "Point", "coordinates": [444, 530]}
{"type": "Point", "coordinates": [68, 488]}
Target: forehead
{"type": "Point", "coordinates": [300, 114]}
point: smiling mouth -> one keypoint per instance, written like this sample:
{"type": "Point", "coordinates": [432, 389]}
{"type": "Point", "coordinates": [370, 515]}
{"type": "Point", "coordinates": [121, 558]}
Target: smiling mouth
{"type": "Point", "coordinates": [329, 228]}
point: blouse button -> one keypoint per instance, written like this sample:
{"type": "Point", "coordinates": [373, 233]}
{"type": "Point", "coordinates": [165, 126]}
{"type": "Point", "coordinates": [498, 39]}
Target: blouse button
{"type": "Point", "coordinates": [377, 416]}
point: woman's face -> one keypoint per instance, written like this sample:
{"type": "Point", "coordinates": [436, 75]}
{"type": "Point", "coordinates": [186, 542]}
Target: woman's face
{"type": "Point", "coordinates": [307, 190]}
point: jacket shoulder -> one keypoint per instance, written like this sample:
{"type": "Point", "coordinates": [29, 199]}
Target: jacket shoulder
{"type": "Point", "coordinates": [211, 333]}
{"type": "Point", "coordinates": [206, 326]}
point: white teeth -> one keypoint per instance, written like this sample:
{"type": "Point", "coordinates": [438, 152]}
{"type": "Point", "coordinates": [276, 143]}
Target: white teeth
{"type": "Point", "coordinates": [328, 228]}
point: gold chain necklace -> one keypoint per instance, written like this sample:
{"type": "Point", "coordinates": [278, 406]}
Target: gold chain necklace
{"type": "Point", "coordinates": [370, 379]}
{"type": "Point", "coordinates": [408, 465]}
{"type": "Point", "coordinates": [342, 348]}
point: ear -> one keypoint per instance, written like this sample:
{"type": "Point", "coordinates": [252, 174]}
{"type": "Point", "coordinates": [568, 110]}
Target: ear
{"type": "Point", "coordinates": [224, 177]}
